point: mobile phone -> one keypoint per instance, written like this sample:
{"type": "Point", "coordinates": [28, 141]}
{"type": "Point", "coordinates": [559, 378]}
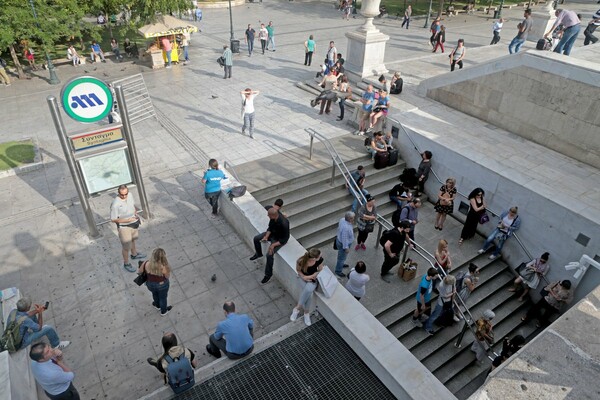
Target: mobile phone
{"type": "Point", "coordinates": [46, 305]}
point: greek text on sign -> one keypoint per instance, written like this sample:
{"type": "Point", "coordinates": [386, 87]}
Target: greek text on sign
{"type": "Point", "coordinates": [96, 138]}
{"type": "Point", "coordinates": [86, 99]}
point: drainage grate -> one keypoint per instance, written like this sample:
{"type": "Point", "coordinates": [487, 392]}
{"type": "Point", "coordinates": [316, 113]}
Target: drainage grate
{"type": "Point", "coordinates": [315, 363]}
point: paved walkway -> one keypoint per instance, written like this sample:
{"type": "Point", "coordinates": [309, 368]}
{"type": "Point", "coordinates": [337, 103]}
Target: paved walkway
{"type": "Point", "coordinates": [45, 248]}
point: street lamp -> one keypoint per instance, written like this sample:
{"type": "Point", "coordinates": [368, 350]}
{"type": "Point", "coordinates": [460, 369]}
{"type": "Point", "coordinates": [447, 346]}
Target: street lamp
{"type": "Point", "coordinates": [53, 78]}
{"type": "Point", "coordinates": [230, 22]}
{"type": "Point", "coordinates": [428, 14]}
{"type": "Point", "coordinates": [500, 9]}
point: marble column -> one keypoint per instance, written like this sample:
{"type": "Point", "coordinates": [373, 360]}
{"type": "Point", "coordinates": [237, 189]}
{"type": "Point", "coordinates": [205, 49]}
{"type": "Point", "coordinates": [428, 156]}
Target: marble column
{"type": "Point", "coordinates": [366, 45]}
{"type": "Point", "coordinates": [542, 22]}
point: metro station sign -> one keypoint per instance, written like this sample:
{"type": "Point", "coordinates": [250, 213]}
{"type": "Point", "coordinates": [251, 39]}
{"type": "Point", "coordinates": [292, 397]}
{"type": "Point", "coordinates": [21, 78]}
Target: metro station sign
{"type": "Point", "coordinates": [86, 99]}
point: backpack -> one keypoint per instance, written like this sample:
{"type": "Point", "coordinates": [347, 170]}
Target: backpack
{"type": "Point", "coordinates": [11, 338]}
{"type": "Point", "coordinates": [180, 374]}
{"type": "Point", "coordinates": [2, 63]}
{"type": "Point", "coordinates": [368, 140]}
{"type": "Point", "coordinates": [396, 216]}
{"type": "Point", "coordinates": [237, 191]}
{"type": "Point", "coordinates": [460, 280]}
{"type": "Point", "coordinates": [385, 236]}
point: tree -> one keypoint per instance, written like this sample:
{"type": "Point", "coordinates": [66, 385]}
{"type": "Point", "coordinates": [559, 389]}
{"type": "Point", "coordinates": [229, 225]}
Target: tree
{"type": "Point", "coordinates": [148, 10]}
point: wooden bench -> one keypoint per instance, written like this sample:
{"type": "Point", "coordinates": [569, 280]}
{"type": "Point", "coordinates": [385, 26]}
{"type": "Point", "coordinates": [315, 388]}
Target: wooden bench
{"type": "Point", "coordinates": [65, 61]}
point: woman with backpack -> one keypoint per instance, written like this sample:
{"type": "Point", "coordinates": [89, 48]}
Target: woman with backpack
{"type": "Point", "coordinates": [439, 39]}
{"type": "Point", "coordinates": [177, 356]}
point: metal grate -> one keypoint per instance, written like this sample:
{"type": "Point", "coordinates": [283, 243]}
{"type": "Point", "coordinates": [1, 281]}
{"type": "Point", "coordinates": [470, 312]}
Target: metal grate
{"type": "Point", "coordinates": [315, 363]}
{"type": "Point", "coordinates": [139, 104]}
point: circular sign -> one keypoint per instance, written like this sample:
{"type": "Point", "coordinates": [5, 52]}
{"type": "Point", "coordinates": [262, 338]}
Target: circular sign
{"type": "Point", "coordinates": [86, 99]}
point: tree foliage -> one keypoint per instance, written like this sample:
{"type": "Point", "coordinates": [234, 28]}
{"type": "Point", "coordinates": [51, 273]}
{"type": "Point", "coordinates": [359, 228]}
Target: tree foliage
{"type": "Point", "coordinates": [147, 10]}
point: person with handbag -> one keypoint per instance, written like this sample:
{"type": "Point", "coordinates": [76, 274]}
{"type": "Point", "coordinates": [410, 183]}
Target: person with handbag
{"type": "Point", "coordinates": [447, 291]}
{"type": "Point", "coordinates": [367, 214]}
{"type": "Point", "coordinates": [308, 267]}
{"type": "Point", "coordinates": [475, 214]}
{"type": "Point", "coordinates": [554, 297]}
{"type": "Point", "coordinates": [157, 272]}
{"type": "Point", "coordinates": [509, 223]}
{"type": "Point", "coordinates": [124, 214]}
{"type": "Point", "coordinates": [227, 60]}
{"type": "Point", "coordinates": [530, 274]}
{"type": "Point", "coordinates": [445, 202]}
{"type": "Point", "coordinates": [392, 242]}
{"type": "Point", "coordinates": [484, 335]}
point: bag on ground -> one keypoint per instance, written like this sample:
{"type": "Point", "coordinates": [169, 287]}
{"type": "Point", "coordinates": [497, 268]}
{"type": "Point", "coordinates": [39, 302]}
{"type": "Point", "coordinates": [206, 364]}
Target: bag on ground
{"type": "Point", "coordinates": [381, 159]}
{"type": "Point", "coordinates": [180, 374]}
{"type": "Point", "coordinates": [393, 157]}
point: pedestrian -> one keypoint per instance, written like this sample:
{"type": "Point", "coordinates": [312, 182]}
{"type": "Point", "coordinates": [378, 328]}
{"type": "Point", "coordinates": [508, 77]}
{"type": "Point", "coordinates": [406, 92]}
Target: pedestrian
{"type": "Point", "coordinates": [393, 244]}
{"type": "Point", "coordinates": [400, 194]}
{"type": "Point", "coordinates": [509, 347]}
{"type": "Point", "coordinates": [263, 35]}
{"type": "Point", "coordinates": [496, 29]}
{"type": "Point", "coordinates": [423, 296]}
{"type": "Point", "coordinates": [474, 216]}
{"type": "Point", "coordinates": [357, 280]}
{"type": "Point", "coordinates": [248, 111]}
{"type": "Point", "coordinates": [444, 308]}
{"type": "Point", "coordinates": [347, 9]}
{"type": "Point", "coordinates": [307, 267]}
{"type": "Point", "coordinates": [167, 47]}
{"type": "Point", "coordinates": [509, 223]}
{"type": "Point", "coordinates": [31, 325]}
{"type": "Point", "coordinates": [114, 47]}
{"type": "Point", "coordinates": [445, 203]}
{"type": "Point", "coordinates": [434, 29]}
{"type": "Point", "coordinates": [234, 336]}
{"type": "Point", "coordinates": [571, 27]}
{"type": "Point", "coordinates": [185, 43]}
{"type": "Point", "coordinates": [277, 205]}
{"type": "Point", "coordinates": [554, 297]}
{"type": "Point", "coordinates": [198, 16]}
{"type": "Point", "coordinates": [343, 240]}
{"type": "Point", "coordinates": [410, 213]}
{"type": "Point", "coordinates": [423, 171]}
{"type": "Point", "coordinates": [443, 262]}
{"type": "Point", "coordinates": [29, 56]}
{"type": "Point", "coordinates": [396, 84]}
{"type": "Point", "coordinates": [96, 52]}
{"type": "Point", "coordinates": [589, 30]}
{"type": "Point", "coordinates": [345, 94]}
{"type": "Point", "coordinates": [367, 100]}
{"type": "Point", "coordinates": [3, 74]}
{"type": "Point", "coordinates": [484, 335]}
{"type": "Point", "coordinates": [530, 274]}
{"type": "Point", "coordinates": [466, 282]}
{"type": "Point", "coordinates": [523, 29]}
{"type": "Point", "coordinates": [358, 175]}
{"type": "Point", "coordinates": [51, 372]}
{"type": "Point", "coordinates": [309, 48]}
{"type": "Point", "coordinates": [331, 56]}
{"type": "Point", "coordinates": [278, 234]}
{"type": "Point", "coordinates": [407, 14]}
{"type": "Point", "coordinates": [173, 350]}
{"type": "Point", "coordinates": [125, 215]}
{"type": "Point", "coordinates": [249, 39]}
{"type": "Point", "coordinates": [158, 271]}
{"type": "Point", "coordinates": [457, 55]}
{"type": "Point", "coordinates": [212, 185]}
{"type": "Point", "coordinates": [271, 32]}
{"type": "Point", "coordinates": [228, 56]}
{"type": "Point", "coordinates": [367, 215]}
{"type": "Point", "coordinates": [329, 84]}
{"type": "Point", "coordinates": [380, 109]}
{"type": "Point", "coordinates": [440, 39]}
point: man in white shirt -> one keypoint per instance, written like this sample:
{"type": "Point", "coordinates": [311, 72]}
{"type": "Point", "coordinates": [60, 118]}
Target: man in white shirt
{"type": "Point", "coordinates": [51, 373]}
{"type": "Point", "coordinates": [496, 30]}
{"type": "Point", "coordinates": [248, 96]}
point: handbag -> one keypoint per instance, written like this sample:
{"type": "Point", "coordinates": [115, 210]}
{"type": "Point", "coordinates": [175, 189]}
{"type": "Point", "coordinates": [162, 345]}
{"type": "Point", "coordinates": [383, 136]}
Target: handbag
{"type": "Point", "coordinates": [370, 227]}
{"type": "Point", "coordinates": [327, 282]}
{"type": "Point", "coordinates": [335, 243]}
{"type": "Point", "coordinates": [143, 277]}
{"type": "Point", "coordinates": [221, 61]}
{"type": "Point", "coordinates": [484, 218]}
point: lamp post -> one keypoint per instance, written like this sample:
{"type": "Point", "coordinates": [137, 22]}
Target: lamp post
{"type": "Point", "coordinates": [53, 78]}
{"type": "Point", "coordinates": [500, 9]}
{"type": "Point", "coordinates": [428, 14]}
{"type": "Point", "coordinates": [230, 22]}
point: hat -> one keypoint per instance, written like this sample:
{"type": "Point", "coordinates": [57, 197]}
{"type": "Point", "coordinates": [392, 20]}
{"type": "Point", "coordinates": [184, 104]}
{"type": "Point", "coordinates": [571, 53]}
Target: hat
{"type": "Point", "coordinates": [489, 315]}
{"type": "Point", "coordinates": [368, 197]}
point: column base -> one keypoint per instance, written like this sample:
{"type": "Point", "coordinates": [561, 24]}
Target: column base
{"type": "Point", "coordinates": [366, 51]}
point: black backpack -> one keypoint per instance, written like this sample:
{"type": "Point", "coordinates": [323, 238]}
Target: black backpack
{"type": "Point", "coordinates": [180, 373]}
{"type": "Point", "coordinates": [385, 236]}
{"type": "Point", "coordinates": [460, 281]}
{"type": "Point", "coordinates": [396, 216]}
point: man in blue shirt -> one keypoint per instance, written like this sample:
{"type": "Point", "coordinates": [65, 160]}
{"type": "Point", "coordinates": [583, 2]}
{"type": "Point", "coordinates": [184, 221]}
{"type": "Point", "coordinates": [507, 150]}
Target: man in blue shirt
{"type": "Point", "coordinates": [32, 328]}
{"type": "Point", "coordinates": [234, 336]}
{"type": "Point", "coordinates": [343, 241]}
{"type": "Point", "coordinates": [367, 101]}
{"type": "Point", "coordinates": [96, 52]}
{"type": "Point", "coordinates": [424, 296]}
{"type": "Point", "coordinates": [51, 373]}
{"type": "Point", "coordinates": [212, 185]}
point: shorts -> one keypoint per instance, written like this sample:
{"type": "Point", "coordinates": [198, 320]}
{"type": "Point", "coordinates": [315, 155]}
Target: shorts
{"type": "Point", "coordinates": [364, 115]}
{"type": "Point", "coordinates": [127, 236]}
{"type": "Point", "coordinates": [428, 304]}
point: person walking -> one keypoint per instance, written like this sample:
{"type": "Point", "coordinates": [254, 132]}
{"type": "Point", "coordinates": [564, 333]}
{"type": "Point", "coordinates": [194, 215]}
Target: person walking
{"type": "Point", "coordinates": [158, 271]}
{"type": "Point", "coordinates": [228, 56]}
{"type": "Point", "coordinates": [185, 43]}
{"type": "Point", "coordinates": [423, 296]}
{"type": "Point", "coordinates": [496, 28]}
{"type": "Point", "coordinates": [271, 32]}
{"type": "Point", "coordinates": [523, 30]}
{"type": "Point", "coordinates": [445, 203]}
{"type": "Point", "coordinates": [571, 27]}
{"type": "Point", "coordinates": [345, 94]}
{"type": "Point", "coordinates": [212, 185]}
{"type": "Point", "coordinates": [434, 29]}
{"type": "Point", "coordinates": [331, 56]}
{"type": "Point", "coordinates": [554, 297]}
{"type": "Point", "coordinates": [589, 30]}
{"type": "Point", "coordinates": [530, 275]}
{"type": "Point", "coordinates": [393, 244]}
{"type": "Point", "coordinates": [248, 111]}
{"type": "Point", "coordinates": [307, 267]}
{"type": "Point", "coordinates": [475, 214]}
{"type": "Point", "coordinates": [484, 335]}
{"type": "Point", "coordinates": [343, 240]}
{"type": "Point", "coordinates": [440, 39]}
{"type": "Point", "coordinates": [3, 74]}
{"type": "Point", "coordinates": [509, 224]}
{"type": "Point", "coordinates": [249, 39]}
{"type": "Point", "coordinates": [457, 55]}
{"type": "Point", "coordinates": [51, 372]}
{"type": "Point", "coordinates": [278, 234]}
{"type": "Point", "coordinates": [357, 280]}
{"type": "Point", "coordinates": [167, 47]}
{"type": "Point", "coordinates": [407, 14]}
{"type": "Point", "coordinates": [367, 214]}
{"type": "Point", "coordinates": [263, 36]}
{"type": "Point", "coordinates": [309, 48]}
{"type": "Point", "coordinates": [124, 214]}
{"type": "Point", "coordinates": [29, 56]}
{"type": "Point", "coordinates": [444, 305]}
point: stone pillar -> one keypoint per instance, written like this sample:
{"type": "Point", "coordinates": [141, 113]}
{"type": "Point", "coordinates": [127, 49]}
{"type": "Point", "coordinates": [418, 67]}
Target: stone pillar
{"type": "Point", "coordinates": [366, 45]}
{"type": "Point", "coordinates": [542, 22]}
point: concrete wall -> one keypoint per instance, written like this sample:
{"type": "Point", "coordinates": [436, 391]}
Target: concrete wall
{"type": "Point", "coordinates": [393, 364]}
{"type": "Point", "coordinates": [547, 224]}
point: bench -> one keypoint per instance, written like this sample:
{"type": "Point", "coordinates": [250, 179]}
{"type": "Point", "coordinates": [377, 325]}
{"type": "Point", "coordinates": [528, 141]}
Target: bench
{"type": "Point", "coordinates": [65, 61]}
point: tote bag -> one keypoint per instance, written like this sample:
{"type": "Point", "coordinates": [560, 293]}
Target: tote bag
{"type": "Point", "coordinates": [327, 282]}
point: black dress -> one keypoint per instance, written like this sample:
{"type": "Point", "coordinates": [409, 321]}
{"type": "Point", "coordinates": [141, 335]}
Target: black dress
{"type": "Point", "coordinates": [470, 227]}
{"type": "Point", "coordinates": [450, 207]}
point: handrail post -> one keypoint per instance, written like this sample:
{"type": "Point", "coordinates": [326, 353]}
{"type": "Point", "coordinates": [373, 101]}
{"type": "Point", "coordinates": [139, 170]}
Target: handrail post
{"type": "Point", "coordinates": [332, 174]}
{"type": "Point", "coordinates": [310, 149]}
{"type": "Point", "coordinates": [379, 231]}
{"type": "Point", "coordinates": [404, 254]}
{"type": "Point", "coordinates": [458, 344]}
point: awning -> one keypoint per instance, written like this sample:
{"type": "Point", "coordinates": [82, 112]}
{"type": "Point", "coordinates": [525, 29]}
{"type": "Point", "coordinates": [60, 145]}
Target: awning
{"type": "Point", "coordinates": [166, 25]}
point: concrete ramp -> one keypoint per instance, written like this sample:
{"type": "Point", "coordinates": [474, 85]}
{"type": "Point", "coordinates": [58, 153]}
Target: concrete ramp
{"type": "Point", "coordinates": [544, 97]}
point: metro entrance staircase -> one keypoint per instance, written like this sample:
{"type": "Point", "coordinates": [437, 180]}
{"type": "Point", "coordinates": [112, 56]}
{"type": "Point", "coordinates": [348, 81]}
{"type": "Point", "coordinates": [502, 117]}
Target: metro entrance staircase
{"type": "Point", "coordinates": [314, 208]}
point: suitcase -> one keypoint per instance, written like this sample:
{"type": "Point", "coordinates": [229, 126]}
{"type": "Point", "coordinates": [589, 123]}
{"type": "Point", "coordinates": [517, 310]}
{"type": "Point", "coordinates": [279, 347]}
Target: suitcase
{"type": "Point", "coordinates": [544, 44]}
{"type": "Point", "coordinates": [381, 160]}
{"type": "Point", "coordinates": [393, 157]}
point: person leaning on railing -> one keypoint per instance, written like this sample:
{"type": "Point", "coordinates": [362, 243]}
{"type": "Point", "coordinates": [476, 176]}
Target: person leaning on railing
{"type": "Point", "coordinates": [509, 223]}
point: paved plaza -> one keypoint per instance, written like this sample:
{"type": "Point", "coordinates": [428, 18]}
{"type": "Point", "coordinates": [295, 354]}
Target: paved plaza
{"type": "Point", "coordinates": [45, 248]}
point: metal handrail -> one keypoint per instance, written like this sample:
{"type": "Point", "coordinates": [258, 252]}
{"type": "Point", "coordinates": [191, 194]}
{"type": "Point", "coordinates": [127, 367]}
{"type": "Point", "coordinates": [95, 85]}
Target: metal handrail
{"type": "Point", "coordinates": [229, 167]}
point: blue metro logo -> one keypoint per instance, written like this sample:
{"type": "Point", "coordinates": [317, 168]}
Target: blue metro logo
{"type": "Point", "coordinates": [81, 100]}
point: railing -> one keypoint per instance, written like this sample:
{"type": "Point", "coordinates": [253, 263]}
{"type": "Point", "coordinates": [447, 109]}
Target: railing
{"type": "Point", "coordinates": [229, 167]}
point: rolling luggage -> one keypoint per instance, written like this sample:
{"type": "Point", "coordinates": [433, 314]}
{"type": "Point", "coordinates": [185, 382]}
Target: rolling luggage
{"type": "Point", "coordinates": [393, 157]}
{"type": "Point", "coordinates": [381, 159]}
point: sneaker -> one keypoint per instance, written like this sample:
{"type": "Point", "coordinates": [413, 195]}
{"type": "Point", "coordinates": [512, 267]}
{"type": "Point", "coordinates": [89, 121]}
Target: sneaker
{"type": "Point", "coordinates": [138, 256]}
{"type": "Point", "coordinates": [155, 306]}
{"type": "Point", "coordinates": [362, 246]}
{"type": "Point", "coordinates": [63, 344]}
{"type": "Point", "coordinates": [265, 280]}
{"type": "Point", "coordinates": [480, 251]}
{"type": "Point", "coordinates": [456, 319]}
{"type": "Point", "coordinates": [357, 247]}
{"type": "Point", "coordinates": [168, 66]}
{"type": "Point", "coordinates": [431, 333]}
{"type": "Point", "coordinates": [307, 320]}
{"type": "Point", "coordinates": [385, 278]}
{"type": "Point", "coordinates": [128, 267]}
{"type": "Point", "coordinates": [151, 361]}
{"type": "Point", "coordinates": [361, 133]}
{"type": "Point", "coordinates": [417, 323]}
{"type": "Point", "coordinates": [294, 315]}
{"type": "Point", "coordinates": [493, 257]}
{"type": "Point", "coordinates": [313, 103]}
{"type": "Point", "coordinates": [169, 308]}
{"type": "Point", "coordinates": [255, 257]}
{"type": "Point", "coordinates": [341, 274]}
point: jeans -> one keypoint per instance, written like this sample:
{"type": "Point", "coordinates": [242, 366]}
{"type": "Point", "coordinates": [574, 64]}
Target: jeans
{"type": "Point", "coordinates": [70, 394]}
{"type": "Point", "coordinates": [568, 39]}
{"type": "Point", "coordinates": [308, 58]}
{"type": "Point", "coordinates": [515, 45]}
{"type": "Point", "coordinates": [227, 69]}
{"type": "Point", "coordinates": [342, 104]}
{"type": "Point", "coordinates": [501, 239]}
{"type": "Point", "coordinates": [405, 21]}
{"type": "Point", "coordinates": [341, 257]}
{"type": "Point", "coordinates": [439, 308]}
{"type": "Point", "coordinates": [355, 201]}
{"type": "Point", "coordinates": [47, 331]}
{"type": "Point", "coordinates": [589, 34]}
{"type": "Point", "coordinates": [213, 200]}
{"type": "Point", "coordinates": [270, 257]}
{"type": "Point", "coordinates": [394, 199]}
{"type": "Point", "coordinates": [306, 295]}
{"type": "Point", "coordinates": [272, 42]}
{"type": "Point", "coordinates": [159, 294]}
{"type": "Point", "coordinates": [186, 56]}
{"type": "Point", "coordinates": [496, 37]}
{"type": "Point", "coordinates": [169, 57]}
{"type": "Point", "coordinates": [219, 345]}
{"type": "Point", "coordinates": [250, 47]}
{"type": "Point", "coordinates": [454, 62]}
{"type": "Point", "coordinates": [117, 54]}
{"type": "Point", "coordinates": [248, 123]}
{"type": "Point", "coordinates": [263, 45]}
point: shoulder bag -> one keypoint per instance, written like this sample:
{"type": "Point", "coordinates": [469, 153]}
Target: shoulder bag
{"type": "Point", "coordinates": [143, 277]}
